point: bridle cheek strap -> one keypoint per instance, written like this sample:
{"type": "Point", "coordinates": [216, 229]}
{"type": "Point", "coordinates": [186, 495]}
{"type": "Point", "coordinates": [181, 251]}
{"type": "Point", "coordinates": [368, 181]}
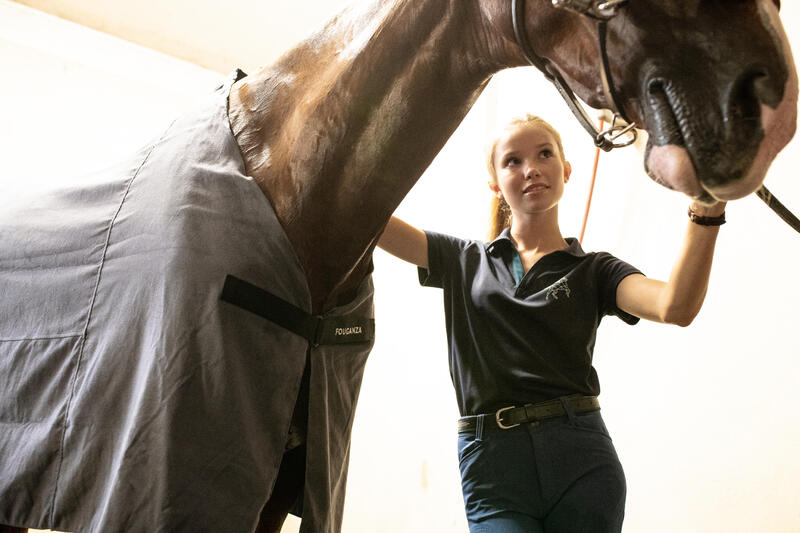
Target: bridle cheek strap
{"type": "Point", "coordinates": [605, 73]}
{"type": "Point", "coordinates": [604, 140]}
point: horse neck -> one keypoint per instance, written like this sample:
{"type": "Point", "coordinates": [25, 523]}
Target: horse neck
{"type": "Point", "coordinates": [338, 130]}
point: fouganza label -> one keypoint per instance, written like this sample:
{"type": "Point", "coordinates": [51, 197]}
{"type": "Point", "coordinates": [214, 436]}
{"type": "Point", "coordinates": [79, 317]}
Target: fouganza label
{"type": "Point", "coordinates": [343, 332]}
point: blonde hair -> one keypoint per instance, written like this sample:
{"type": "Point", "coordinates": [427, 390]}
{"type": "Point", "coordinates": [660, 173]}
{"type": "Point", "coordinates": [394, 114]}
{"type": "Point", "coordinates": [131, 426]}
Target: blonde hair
{"type": "Point", "coordinates": [500, 212]}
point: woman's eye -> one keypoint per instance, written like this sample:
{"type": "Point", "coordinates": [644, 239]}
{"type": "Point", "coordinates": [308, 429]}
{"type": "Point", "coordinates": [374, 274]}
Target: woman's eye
{"type": "Point", "coordinates": [512, 161]}
{"type": "Point", "coordinates": [547, 153]}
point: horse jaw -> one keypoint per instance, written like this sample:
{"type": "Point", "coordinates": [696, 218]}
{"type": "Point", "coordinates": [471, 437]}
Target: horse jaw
{"type": "Point", "coordinates": [671, 165]}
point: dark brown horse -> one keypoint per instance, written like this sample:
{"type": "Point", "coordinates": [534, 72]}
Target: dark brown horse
{"type": "Point", "coordinates": [339, 129]}
{"type": "Point", "coordinates": [354, 115]}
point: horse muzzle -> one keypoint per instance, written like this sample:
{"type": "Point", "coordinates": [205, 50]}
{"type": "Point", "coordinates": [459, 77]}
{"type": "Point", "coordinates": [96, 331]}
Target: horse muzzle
{"type": "Point", "coordinates": [717, 144]}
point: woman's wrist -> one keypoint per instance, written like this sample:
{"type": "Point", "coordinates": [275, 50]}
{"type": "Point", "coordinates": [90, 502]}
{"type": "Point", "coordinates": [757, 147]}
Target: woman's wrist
{"type": "Point", "coordinates": [707, 215]}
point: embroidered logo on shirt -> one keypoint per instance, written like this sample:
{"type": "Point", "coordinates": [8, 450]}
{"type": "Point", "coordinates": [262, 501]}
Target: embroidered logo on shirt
{"type": "Point", "coordinates": [557, 288]}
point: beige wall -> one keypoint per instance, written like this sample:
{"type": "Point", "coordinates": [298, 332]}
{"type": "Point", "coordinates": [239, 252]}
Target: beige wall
{"type": "Point", "coordinates": [705, 418]}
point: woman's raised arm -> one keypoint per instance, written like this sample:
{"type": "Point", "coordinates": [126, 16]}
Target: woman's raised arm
{"type": "Point", "coordinates": [679, 300]}
{"type": "Point", "coordinates": [406, 242]}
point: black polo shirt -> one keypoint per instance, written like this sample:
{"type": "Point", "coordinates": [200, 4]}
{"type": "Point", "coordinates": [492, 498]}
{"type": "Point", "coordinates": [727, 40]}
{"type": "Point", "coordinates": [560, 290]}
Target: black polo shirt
{"type": "Point", "coordinates": [513, 344]}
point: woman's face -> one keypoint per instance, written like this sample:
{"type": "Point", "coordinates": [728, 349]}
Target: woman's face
{"type": "Point", "coordinates": [530, 172]}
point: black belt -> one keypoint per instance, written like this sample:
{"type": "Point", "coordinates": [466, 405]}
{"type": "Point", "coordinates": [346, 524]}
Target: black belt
{"type": "Point", "coordinates": [509, 417]}
{"type": "Point", "coordinates": [335, 329]}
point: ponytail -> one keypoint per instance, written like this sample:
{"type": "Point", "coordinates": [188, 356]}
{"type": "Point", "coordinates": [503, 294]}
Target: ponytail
{"type": "Point", "coordinates": [499, 211]}
{"type": "Point", "coordinates": [499, 217]}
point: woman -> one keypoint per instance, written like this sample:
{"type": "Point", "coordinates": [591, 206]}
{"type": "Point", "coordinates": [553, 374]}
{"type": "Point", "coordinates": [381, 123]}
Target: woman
{"type": "Point", "coordinates": [522, 313]}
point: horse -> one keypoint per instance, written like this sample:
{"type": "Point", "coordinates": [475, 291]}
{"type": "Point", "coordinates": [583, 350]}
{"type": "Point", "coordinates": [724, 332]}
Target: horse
{"type": "Point", "coordinates": [332, 136]}
{"type": "Point", "coordinates": [666, 69]}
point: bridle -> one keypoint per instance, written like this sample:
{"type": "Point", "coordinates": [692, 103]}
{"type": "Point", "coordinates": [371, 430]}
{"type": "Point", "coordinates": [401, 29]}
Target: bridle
{"type": "Point", "coordinates": [602, 11]}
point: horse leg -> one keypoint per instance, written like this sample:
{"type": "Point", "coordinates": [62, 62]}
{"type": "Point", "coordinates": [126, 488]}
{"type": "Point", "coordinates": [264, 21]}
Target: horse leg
{"type": "Point", "coordinates": [287, 489]}
{"type": "Point", "coordinates": [12, 529]}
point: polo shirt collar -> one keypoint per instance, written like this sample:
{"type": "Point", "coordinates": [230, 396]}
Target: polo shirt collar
{"type": "Point", "coordinates": [504, 240]}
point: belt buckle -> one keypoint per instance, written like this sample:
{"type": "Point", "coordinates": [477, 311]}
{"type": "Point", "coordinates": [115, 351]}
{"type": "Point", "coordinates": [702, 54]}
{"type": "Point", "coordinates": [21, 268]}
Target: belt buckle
{"type": "Point", "coordinates": [499, 422]}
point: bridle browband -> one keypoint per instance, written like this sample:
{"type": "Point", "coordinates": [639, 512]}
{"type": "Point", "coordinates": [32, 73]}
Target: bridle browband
{"type": "Point", "coordinates": [603, 11]}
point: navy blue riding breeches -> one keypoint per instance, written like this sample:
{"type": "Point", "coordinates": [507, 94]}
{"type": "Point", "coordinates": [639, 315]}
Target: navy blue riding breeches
{"type": "Point", "coordinates": [560, 475]}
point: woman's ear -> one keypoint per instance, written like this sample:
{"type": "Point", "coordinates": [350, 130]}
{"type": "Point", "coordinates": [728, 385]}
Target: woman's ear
{"type": "Point", "coordinates": [495, 189]}
{"type": "Point", "coordinates": [567, 171]}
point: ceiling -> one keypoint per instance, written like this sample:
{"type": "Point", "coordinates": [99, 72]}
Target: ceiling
{"type": "Point", "coordinates": [215, 34]}
{"type": "Point", "coordinates": [222, 34]}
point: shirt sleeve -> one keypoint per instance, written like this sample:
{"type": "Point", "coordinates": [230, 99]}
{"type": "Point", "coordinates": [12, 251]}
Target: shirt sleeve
{"type": "Point", "coordinates": [444, 259]}
{"type": "Point", "coordinates": [610, 272]}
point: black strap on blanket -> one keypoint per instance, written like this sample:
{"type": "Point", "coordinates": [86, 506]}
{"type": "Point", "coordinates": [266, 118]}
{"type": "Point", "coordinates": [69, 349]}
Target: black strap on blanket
{"type": "Point", "coordinates": [317, 329]}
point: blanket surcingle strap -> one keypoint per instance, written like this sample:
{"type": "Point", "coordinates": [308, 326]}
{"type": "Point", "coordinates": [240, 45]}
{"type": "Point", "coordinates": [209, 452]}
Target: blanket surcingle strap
{"type": "Point", "coordinates": [317, 329]}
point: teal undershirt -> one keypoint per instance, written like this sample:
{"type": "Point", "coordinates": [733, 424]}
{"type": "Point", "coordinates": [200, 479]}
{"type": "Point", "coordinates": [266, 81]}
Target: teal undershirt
{"type": "Point", "coordinates": [516, 268]}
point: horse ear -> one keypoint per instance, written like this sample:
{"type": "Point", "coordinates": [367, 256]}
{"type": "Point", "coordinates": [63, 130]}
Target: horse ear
{"type": "Point", "coordinates": [777, 4]}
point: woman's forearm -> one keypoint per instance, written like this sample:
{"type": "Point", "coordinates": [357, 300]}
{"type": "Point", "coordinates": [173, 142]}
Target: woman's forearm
{"type": "Point", "coordinates": [678, 300]}
{"type": "Point", "coordinates": [405, 241]}
{"type": "Point", "coordinates": [686, 289]}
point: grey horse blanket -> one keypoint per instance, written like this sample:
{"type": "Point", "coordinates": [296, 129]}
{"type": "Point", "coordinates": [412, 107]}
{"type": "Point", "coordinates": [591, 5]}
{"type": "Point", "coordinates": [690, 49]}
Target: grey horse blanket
{"type": "Point", "coordinates": [132, 398]}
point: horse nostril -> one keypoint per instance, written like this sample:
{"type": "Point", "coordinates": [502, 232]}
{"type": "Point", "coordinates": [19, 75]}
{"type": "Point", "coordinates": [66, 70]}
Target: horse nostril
{"type": "Point", "coordinates": [766, 90]}
{"type": "Point", "coordinates": [748, 92]}
{"type": "Point", "coordinates": [655, 86]}
{"type": "Point", "coordinates": [756, 86]}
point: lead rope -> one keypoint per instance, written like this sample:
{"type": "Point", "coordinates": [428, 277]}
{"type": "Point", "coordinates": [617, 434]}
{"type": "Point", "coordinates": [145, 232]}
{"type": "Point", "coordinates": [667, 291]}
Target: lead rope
{"type": "Point", "coordinates": [781, 210]}
{"type": "Point", "coordinates": [591, 186]}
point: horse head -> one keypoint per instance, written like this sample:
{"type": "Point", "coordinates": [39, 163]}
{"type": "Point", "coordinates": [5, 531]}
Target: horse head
{"type": "Point", "coordinates": [713, 82]}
